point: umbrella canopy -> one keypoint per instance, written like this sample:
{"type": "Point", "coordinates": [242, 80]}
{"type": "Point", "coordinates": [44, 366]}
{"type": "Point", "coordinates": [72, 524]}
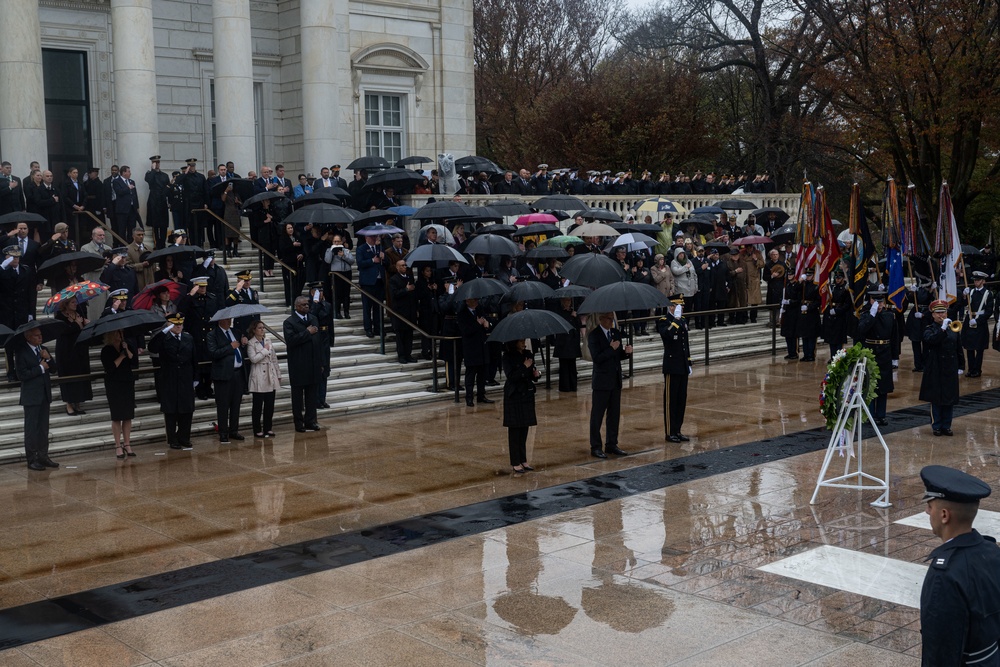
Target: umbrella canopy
{"type": "Point", "coordinates": [368, 217]}
{"type": "Point", "coordinates": [634, 238]}
{"type": "Point", "coordinates": [572, 292]}
{"type": "Point", "coordinates": [480, 288]}
{"type": "Point", "coordinates": [492, 244]}
{"type": "Point", "coordinates": [369, 163]}
{"type": "Point", "coordinates": [528, 290]}
{"type": "Point", "coordinates": [660, 205]}
{"type": "Point", "coordinates": [321, 214]}
{"type": "Point", "coordinates": [786, 234]}
{"type": "Point", "coordinates": [257, 199]}
{"type": "Point", "coordinates": [439, 253]}
{"type": "Point", "coordinates": [538, 229]}
{"type": "Point", "coordinates": [483, 214]}
{"type": "Point", "coordinates": [242, 188]}
{"type": "Point", "coordinates": [172, 250]}
{"type": "Point", "coordinates": [600, 214]}
{"type": "Point", "coordinates": [623, 296]}
{"type": "Point", "coordinates": [144, 299]}
{"type": "Point", "coordinates": [528, 324]}
{"type": "Point", "coordinates": [444, 234]}
{"type": "Point", "coordinates": [565, 202]}
{"type": "Point", "coordinates": [85, 263]}
{"type": "Point", "coordinates": [592, 270]}
{"type": "Point", "coordinates": [645, 228]}
{"type": "Point", "coordinates": [752, 240]}
{"type": "Point", "coordinates": [536, 218]}
{"type": "Point", "coordinates": [239, 310]}
{"type": "Point", "coordinates": [403, 210]}
{"type": "Point", "coordinates": [764, 213]}
{"type": "Point", "coordinates": [701, 225]}
{"type": "Point", "coordinates": [562, 241]}
{"type": "Point", "coordinates": [736, 204]}
{"type": "Point", "coordinates": [396, 177]}
{"type": "Point", "coordinates": [379, 230]}
{"type": "Point", "coordinates": [5, 333]}
{"type": "Point", "coordinates": [971, 250]}
{"type": "Point", "coordinates": [20, 216]}
{"type": "Point", "coordinates": [558, 213]}
{"type": "Point", "coordinates": [50, 329]}
{"type": "Point", "coordinates": [594, 229]}
{"type": "Point", "coordinates": [83, 291]}
{"type": "Point", "coordinates": [330, 195]}
{"type": "Point", "coordinates": [477, 163]}
{"type": "Point", "coordinates": [713, 210]}
{"type": "Point", "coordinates": [510, 207]}
{"type": "Point", "coordinates": [719, 247]}
{"type": "Point", "coordinates": [497, 229]}
{"type": "Point", "coordinates": [414, 159]}
{"type": "Point", "coordinates": [442, 209]}
{"type": "Point", "coordinates": [547, 252]}
{"type": "Point", "coordinates": [139, 321]}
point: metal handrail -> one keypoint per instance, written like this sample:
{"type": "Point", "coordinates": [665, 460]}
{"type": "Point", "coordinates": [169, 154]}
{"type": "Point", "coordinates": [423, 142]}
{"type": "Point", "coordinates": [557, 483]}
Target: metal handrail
{"type": "Point", "coordinates": [105, 225]}
{"type": "Point", "coordinates": [259, 247]}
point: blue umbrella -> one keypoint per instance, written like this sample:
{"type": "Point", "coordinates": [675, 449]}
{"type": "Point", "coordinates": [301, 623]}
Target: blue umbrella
{"type": "Point", "coordinates": [378, 230]}
{"type": "Point", "coordinates": [403, 210]}
{"type": "Point", "coordinates": [714, 210]}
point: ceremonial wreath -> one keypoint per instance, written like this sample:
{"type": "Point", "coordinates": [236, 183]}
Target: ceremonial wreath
{"type": "Point", "coordinates": [832, 395]}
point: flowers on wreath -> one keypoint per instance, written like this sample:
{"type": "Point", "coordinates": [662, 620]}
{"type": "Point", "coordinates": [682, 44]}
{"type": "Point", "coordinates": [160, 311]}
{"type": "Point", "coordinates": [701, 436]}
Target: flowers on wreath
{"type": "Point", "coordinates": [838, 372]}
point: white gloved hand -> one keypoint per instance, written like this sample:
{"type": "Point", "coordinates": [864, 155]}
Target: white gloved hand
{"type": "Point", "coordinates": [833, 311]}
{"type": "Point", "coordinates": [805, 309]}
{"type": "Point", "coordinates": [690, 371]}
{"type": "Point", "coordinates": [912, 288]}
{"type": "Point", "coordinates": [803, 278]}
{"type": "Point", "coordinates": [208, 260]}
{"type": "Point", "coordinates": [918, 315]}
{"type": "Point", "coordinates": [316, 295]}
{"type": "Point", "coordinates": [966, 291]}
{"type": "Point", "coordinates": [167, 328]}
{"type": "Point", "coordinates": [677, 311]}
{"type": "Point", "coordinates": [972, 321]}
{"type": "Point", "coordinates": [7, 262]}
{"type": "Point", "coordinates": [881, 286]}
{"type": "Point", "coordinates": [934, 286]}
{"type": "Point", "coordinates": [874, 309]}
{"type": "Point", "coordinates": [785, 302]}
{"type": "Point", "coordinates": [945, 323]}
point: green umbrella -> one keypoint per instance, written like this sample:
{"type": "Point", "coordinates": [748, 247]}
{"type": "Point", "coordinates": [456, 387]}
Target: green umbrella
{"type": "Point", "coordinates": [563, 241]}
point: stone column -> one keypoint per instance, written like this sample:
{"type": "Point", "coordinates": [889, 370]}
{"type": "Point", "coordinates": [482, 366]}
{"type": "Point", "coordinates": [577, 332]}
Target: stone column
{"type": "Point", "coordinates": [233, 59]}
{"type": "Point", "coordinates": [137, 134]}
{"type": "Point", "coordinates": [22, 96]}
{"type": "Point", "coordinates": [323, 80]}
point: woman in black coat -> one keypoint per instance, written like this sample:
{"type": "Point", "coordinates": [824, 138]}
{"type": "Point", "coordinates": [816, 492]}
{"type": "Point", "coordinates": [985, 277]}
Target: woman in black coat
{"type": "Point", "coordinates": [73, 359]}
{"type": "Point", "coordinates": [427, 315]}
{"type": "Point", "coordinates": [518, 401]}
{"type": "Point", "coordinates": [566, 347]}
{"type": "Point", "coordinates": [119, 384]}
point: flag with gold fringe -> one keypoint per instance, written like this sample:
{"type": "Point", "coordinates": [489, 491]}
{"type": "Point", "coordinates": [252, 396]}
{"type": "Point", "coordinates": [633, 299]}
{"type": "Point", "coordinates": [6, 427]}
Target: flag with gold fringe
{"type": "Point", "coordinates": [862, 251]}
{"type": "Point", "coordinates": [827, 248]}
{"type": "Point", "coordinates": [892, 241]}
{"type": "Point", "coordinates": [948, 247]}
{"type": "Point", "coordinates": [806, 255]}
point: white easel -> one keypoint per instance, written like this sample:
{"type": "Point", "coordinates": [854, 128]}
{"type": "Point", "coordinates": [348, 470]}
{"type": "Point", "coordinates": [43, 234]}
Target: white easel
{"type": "Point", "coordinates": [848, 442]}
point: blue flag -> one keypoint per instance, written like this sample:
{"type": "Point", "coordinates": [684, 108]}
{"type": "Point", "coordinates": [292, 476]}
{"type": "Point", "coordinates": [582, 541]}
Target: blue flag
{"type": "Point", "coordinates": [896, 287]}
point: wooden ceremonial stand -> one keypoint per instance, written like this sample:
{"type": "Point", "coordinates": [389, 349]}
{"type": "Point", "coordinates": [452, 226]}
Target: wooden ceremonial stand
{"type": "Point", "coordinates": [847, 441]}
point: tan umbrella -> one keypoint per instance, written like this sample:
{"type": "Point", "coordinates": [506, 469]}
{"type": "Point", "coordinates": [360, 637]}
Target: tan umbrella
{"type": "Point", "coordinates": [594, 229]}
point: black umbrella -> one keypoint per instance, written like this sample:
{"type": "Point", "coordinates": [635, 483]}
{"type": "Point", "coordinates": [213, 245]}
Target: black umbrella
{"type": "Point", "coordinates": [572, 292]}
{"type": "Point", "coordinates": [321, 214]}
{"type": "Point", "coordinates": [127, 321]}
{"type": "Point", "coordinates": [242, 188]}
{"type": "Point", "coordinates": [480, 288]}
{"type": "Point", "coordinates": [712, 210]}
{"type": "Point", "coordinates": [970, 250]}
{"type": "Point", "coordinates": [567, 202]}
{"type": "Point", "coordinates": [379, 229]}
{"type": "Point", "coordinates": [784, 234]}
{"type": "Point", "coordinates": [85, 263]}
{"type": "Point", "coordinates": [528, 324]}
{"type": "Point", "coordinates": [239, 310]}
{"type": "Point", "coordinates": [5, 333]}
{"type": "Point", "coordinates": [497, 229]}
{"type": "Point", "coordinates": [701, 225]}
{"type": "Point", "coordinates": [510, 207]}
{"type": "Point", "coordinates": [736, 204]}
{"type": "Point", "coordinates": [492, 244]}
{"type": "Point", "coordinates": [442, 209]}
{"type": "Point", "coordinates": [763, 214]}
{"type": "Point", "coordinates": [330, 195]}
{"type": "Point", "coordinates": [439, 253]}
{"type": "Point", "coordinates": [396, 177]}
{"type": "Point", "coordinates": [623, 296]}
{"type": "Point", "coordinates": [537, 229]}
{"type": "Point", "coordinates": [377, 215]}
{"type": "Point", "coordinates": [600, 214]}
{"type": "Point", "coordinates": [172, 250]}
{"type": "Point", "coordinates": [646, 228]}
{"type": "Point", "coordinates": [719, 246]}
{"type": "Point", "coordinates": [592, 270]}
{"type": "Point", "coordinates": [483, 214]}
{"type": "Point", "coordinates": [257, 199]}
{"type": "Point", "coordinates": [477, 163]}
{"type": "Point", "coordinates": [547, 252]}
{"type": "Point", "coordinates": [414, 159]}
{"type": "Point", "coordinates": [50, 329]}
{"type": "Point", "coordinates": [529, 290]}
{"type": "Point", "coordinates": [20, 216]}
{"type": "Point", "coordinates": [558, 214]}
{"type": "Point", "coordinates": [369, 163]}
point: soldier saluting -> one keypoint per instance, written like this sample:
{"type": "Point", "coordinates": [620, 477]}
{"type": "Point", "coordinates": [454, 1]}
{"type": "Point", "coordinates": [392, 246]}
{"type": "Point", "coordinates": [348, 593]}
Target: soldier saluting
{"type": "Point", "coordinates": [673, 330]}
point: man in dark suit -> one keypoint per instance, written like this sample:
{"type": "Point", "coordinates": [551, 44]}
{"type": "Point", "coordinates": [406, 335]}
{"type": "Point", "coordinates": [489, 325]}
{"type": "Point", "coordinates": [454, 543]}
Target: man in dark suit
{"type": "Point", "coordinates": [192, 184]}
{"type": "Point", "coordinates": [404, 301]}
{"type": "Point", "coordinates": [34, 365]}
{"type": "Point", "coordinates": [47, 203]}
{"type": "Point", "coordinates": [228, 352]}
{"type": "Point", "coordinates": [607, 352]}
{"type": "Point", "coordinates": [673, 330]}
{"type": "Point", "coordinates": [325, 181]}
{"type": "Point", "coordinates": [305, 360]}
{"type": "Point", "coordinates": [371, 277]}
{"type": "Point", "coordinates": [216, 205]}
{"type": "Point", "coordinates": [19, 236]}
{"type": "Point", "coordinates": [11, 192]}
{"type": "Point", "coordinates": [17, 296]}
{"type": "Point", "coordinates": [178, 359]}
{"type": "Point", "coordinates": [73, 196]}
{"type": "Point", "coordinates": [157, 209]}
{"type": "Point", "coordinates": [109, 195]}
{"type": "Point", "coordinates": [473, 327]}
{"type": "Point", "coordinates": [126, 203]}
{"type": "Point", "coordinates": [337, 180]}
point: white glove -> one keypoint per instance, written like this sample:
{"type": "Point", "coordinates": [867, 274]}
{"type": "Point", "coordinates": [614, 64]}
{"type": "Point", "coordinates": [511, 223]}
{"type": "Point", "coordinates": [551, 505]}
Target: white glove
{"type": "Point", "coordinates": [912, 288]}
{"type": "Point", "coordinates": [944, 325]}
{"type": "Point", "coordinates": [881, 286]}
{"type": "Point", "coordinates": [805, 309]}
{"type": "Point", "coordinates": [7, 262]}
{"type": "Point", "coordinates": [972, 321]}
{"type": "Point", "coordinates": [833, 311]}
{"type": "Point", "coordinates": [167, 328]}
{"type": "Point", "coordinates": [802, 278]}
{"type": "Point", "coordinates": [966, 291]}
{"type": "Point", "coordinates": [690, 371]}
{"type": "Point", "coordinates": [934, 286]}
{"type": "Point", "coordinates": [918, 315]}
{"type": "Point", "coordinates": [316, 295]}
{"type": "Point", "coordinates": [874, 309]}
{"type": "Point", "coordinates": [785, 302]}
{"type": "Point", "coordinates": [677, 311]}
{"type": "Point", "coordinates": [208, 260]}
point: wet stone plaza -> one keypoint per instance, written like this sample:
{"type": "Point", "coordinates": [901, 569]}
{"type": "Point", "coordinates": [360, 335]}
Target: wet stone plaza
{"type": "Point", "coordinates": [400, 537]}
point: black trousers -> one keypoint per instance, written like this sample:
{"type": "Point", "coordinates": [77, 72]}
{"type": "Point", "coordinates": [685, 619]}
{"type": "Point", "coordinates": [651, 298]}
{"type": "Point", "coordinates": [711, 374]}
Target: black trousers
{"type": "Point", "coordinates": [918, 354]}
{"type": "Point", "coordinates": [304, 405]}
{"type": "Point", "coordinates": [342, 294]}
{"type": "Point", "coordinates": [475, 375]}
{"type": "Point", "coordinates": [228, 398]}
{"type": "Point", "coordinates": [605, 403]}
{"type": "Point", "coordinates": [371, 310]}
{"type": "Point", "coordinates": [404, 339]}
{"type": "Point", "coordinates": [567, 374]}
{"type": "Point", "coordinates": [36, 432]}
{"type": "Point", "coordinates": [675, 393]}
{"type": "Point", "coordinates": [178, 427]}
{"type": "Point", "coordinates": [517, 443]}
{"type": "Point", "coordinates": [160, 236]}
{"type": "Point", "coordinates": [975, 360]}
{"type": "Point", "coordinates": [263, 411]}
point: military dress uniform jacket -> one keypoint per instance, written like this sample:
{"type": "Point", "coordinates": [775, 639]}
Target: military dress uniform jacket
{"type": "Point", "coordinates": [939, 384]}
{"type": "Point", "coordinates": [178, 359]}
{"type": "Point", "coordinates": [676, 348]}
{"type": "Point", "coordinates": [960, 603]}
{"type": "Point", "coordinates": [875, 333]}
{"type": "Point", "coordinates": [980, 308]}
{"type": "Point", "coordinates": [835, 317]}
{"type": "Point", "coordinates": [921, 300]}
{"type": "Point", "coordinates": [808, 323]}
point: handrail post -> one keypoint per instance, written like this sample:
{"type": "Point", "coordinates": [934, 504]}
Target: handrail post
{"type": "Point", "coordinates": [548, 364]}
{"type": "Point", "coordinates": [454, 381]}
{"type": "Point", "coordinates": [381, 330]}
{"type": "Point", "coordinates": [260, 269]}
{"type": "Point", "coordinates": [434, 367]}
{"type": "Point", "coordinates": [774, 331]}
{"type": "Point", "coordinates": [706, 330]}
{"type": "Point", "coordinates": [631, 357]}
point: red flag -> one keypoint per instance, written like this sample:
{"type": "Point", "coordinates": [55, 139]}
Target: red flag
{"type": "Point", "coordinates": [827, 248]}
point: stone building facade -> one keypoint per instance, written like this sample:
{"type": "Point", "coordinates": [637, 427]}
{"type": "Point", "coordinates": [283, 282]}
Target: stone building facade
{"type": "Point", "coordinates": [307, 83]}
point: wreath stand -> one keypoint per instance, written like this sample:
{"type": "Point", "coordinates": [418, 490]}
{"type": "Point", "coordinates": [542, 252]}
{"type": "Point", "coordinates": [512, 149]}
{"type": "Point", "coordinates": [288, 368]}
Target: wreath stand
{"type": "Point", "coordinates": [847, 440]}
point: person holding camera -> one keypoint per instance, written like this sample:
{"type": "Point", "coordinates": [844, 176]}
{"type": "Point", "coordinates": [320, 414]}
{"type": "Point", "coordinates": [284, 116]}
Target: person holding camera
{"type": "Point", "coordinates": [519, 401]}
{"type": "Point", "coordinates": [341, 259]}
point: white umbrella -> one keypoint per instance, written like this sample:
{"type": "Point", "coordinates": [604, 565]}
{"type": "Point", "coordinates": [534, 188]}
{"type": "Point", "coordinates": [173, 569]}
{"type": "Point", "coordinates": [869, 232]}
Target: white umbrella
{"type": "Point", "coordinates": [444, 236]}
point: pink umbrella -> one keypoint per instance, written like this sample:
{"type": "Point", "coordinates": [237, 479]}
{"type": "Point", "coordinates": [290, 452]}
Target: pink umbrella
{"type": "Point", "coordinates": [752, 240]}
{"type": "Point", "coordinates": [533, 218]}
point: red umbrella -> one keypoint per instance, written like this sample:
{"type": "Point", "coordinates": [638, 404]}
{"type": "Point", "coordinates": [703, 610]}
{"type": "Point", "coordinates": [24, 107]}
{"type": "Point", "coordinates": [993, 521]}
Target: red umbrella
{"type": "Point", "coordinates": [144, 299]}
{"type": "Point", "coordinates": [752, 240]}
{"type": "Point", "coordinates": [532, 218]}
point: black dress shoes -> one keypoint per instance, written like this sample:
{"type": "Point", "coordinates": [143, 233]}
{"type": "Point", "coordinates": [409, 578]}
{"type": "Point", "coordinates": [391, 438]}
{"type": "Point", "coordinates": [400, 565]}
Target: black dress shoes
{"type": "Point", "coordinates": [937, 432]}
{"type": "Point", "coordinates": [598, 454]}
{"type": "Point", "coordinates": [470, 404]}
{"type": "Point", "coordinates": [300, 429]}
{"type": "Point", "coordinates": [791, 356]}
{"type": "Point", "coordinates": [683, 438]}
{"type": "Point", "coordinates": [35, 465]}
{"type": "Point", "coordinates": [674, 438]}
{"type": "Point", "coordinates": [325, 406]}
{"type": "Point", "coordinates": [48, 463]}
{"type": "Point", "coordinates": [312, 427]}
{"type": "Point", "coordinates": [617, 451]}
{"type": "Point", "coordinates": [237, 436]}
{"type": "Point", "coordinates": [174, 445]}
{"type": "Point", "coordinates": [492, 383]}
{"type": "Point", "coordinates": [882, 422]}
{"type": "Point", "coordinates": [483, 399]}
{"type": "Point", "coordinates": [947, 431]}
